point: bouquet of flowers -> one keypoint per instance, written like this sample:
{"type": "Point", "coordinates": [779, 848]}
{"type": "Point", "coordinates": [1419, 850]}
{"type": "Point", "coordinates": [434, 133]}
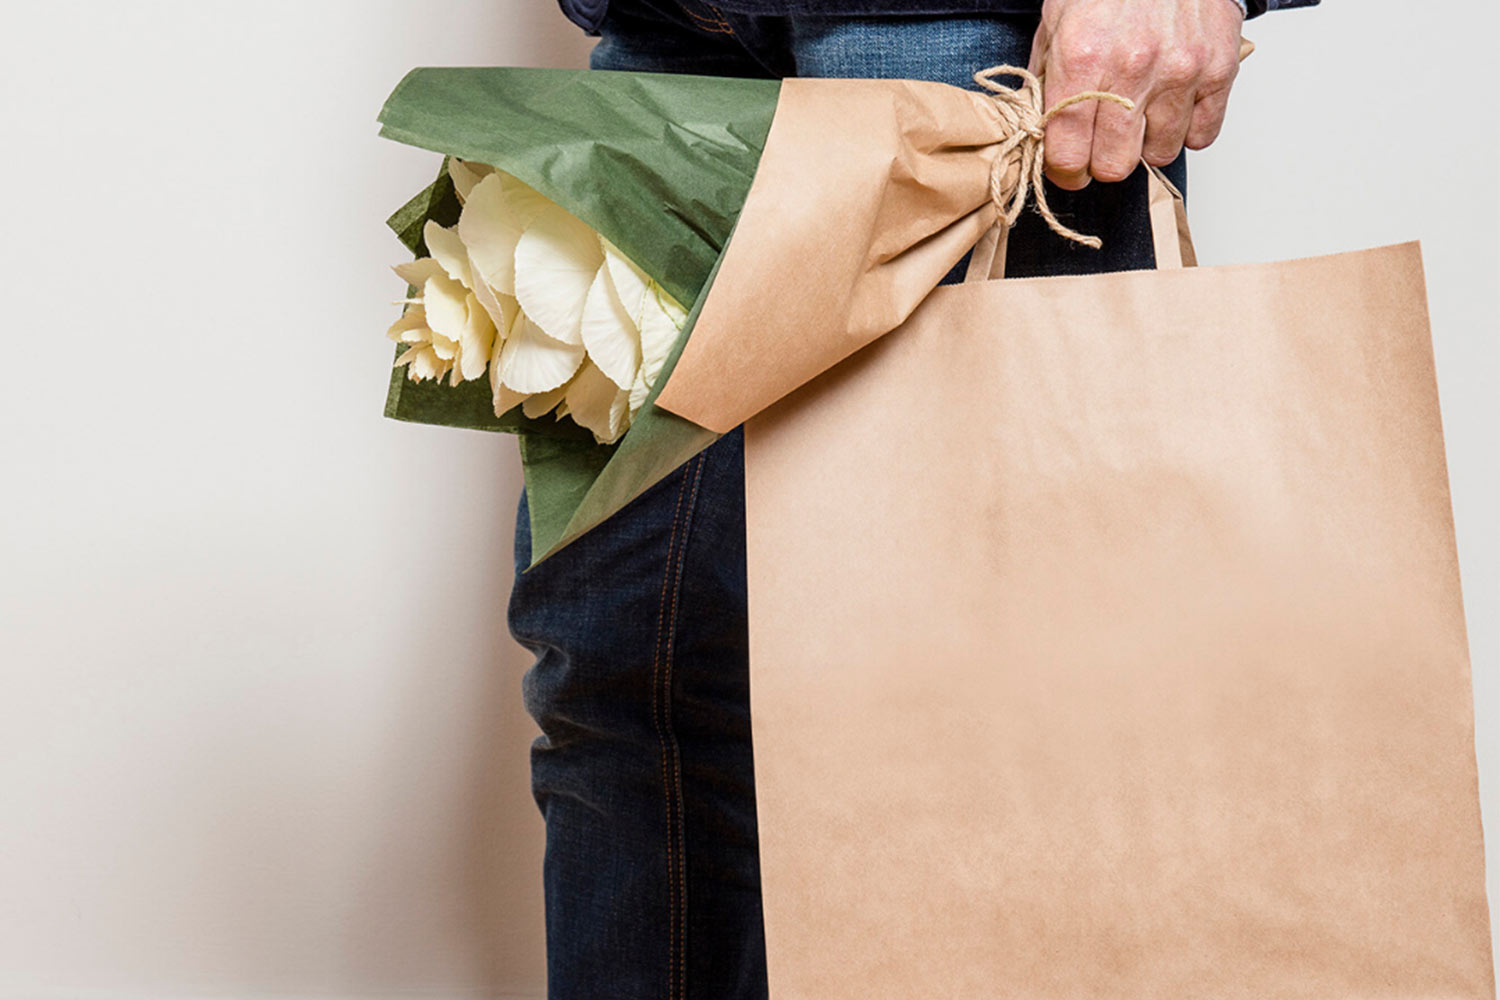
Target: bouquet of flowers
{"type": "Point", "coordinates": [574, 280]}
{"type": "Point", "coordinates": [575, 220]}
{"type": "Point", "coordinates": [565, 322]}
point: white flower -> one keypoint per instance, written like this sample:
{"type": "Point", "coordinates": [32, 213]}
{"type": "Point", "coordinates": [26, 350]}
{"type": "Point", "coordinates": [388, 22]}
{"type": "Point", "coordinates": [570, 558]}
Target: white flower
{"type": "Point", "coordinates": [497, 210]}
{"type": "Point", "coordinates": [565, 322]}
{"type": "Point", "coordinates": [451, 330]}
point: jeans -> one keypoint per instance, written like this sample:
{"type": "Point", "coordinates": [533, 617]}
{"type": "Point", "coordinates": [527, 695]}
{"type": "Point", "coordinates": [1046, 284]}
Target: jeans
{"type": "Point", "coordinates": [643, 769]}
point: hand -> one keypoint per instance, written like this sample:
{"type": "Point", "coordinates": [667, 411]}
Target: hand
{"type": "Point", "coordinates": [1176, 59]}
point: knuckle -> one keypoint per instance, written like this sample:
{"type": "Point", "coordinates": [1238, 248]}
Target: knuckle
{"type": "Point", "coordinates": [1111, 170]}
{"type": "Point", "coordinates": [1202, 136]}
{"type": "Point", "coordinates": [1160, 157]}
{"type": "Point", "coordinates": [1219, 75]}
{"type": "Point", "coordinates": [1135, 58]}
{"type": "Point", "coordinates": [1067, 162]}
{"type": "Point", "coordinates": [1179, 67]}
{"type": "Point", "coordinates": [1117, 131]}
{"type": "Point", "coordinates": [1080, 56]}
{"type": "Point", "coordinates": [1069, 182]}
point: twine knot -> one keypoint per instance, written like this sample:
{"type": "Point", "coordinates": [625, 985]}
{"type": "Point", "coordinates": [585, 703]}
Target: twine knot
{"type": "Point", "coordinates": [1025, 127]}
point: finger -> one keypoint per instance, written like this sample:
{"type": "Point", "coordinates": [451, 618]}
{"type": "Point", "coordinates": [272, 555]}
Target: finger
{"type": "Point", "coordinates": [1207, 119]}
{"type": "Point", "coordinates": [1168, 118]}
{"type": "Point", "coordinates": [1212, 101]}
{"type": "Point", "coordinates": [1118, 136]}
{"type": "Point", "coordinates": [1119, 132]}
{"type": "Point", "coordinates": [1068, 145]}
{"type": "Point", "coordinates": [1041, 44]}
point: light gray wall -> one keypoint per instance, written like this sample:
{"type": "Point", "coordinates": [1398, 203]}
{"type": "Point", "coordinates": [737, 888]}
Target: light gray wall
{"type": "Point", "coordinates": [260, 725]}
{"type": "Point", "coordinates": [260, 729]}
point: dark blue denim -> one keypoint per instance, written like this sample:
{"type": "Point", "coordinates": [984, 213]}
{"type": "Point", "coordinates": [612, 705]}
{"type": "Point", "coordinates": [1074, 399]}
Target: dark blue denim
{"type": "Point", "coordinates": [689, 36]}
{"type": "Point", "coordinates": [644, 768]}
{"type": "Point", "coordinates": [589, 14]}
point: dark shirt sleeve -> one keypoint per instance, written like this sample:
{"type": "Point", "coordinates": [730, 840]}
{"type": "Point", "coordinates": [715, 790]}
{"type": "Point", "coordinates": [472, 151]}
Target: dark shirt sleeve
{"type": "Point", "coordinates": [1259, 7]}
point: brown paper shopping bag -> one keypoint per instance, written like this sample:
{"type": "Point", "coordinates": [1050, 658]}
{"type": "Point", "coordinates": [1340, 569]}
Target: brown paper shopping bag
{"type": "Point", "coordinates": [1147, 676]}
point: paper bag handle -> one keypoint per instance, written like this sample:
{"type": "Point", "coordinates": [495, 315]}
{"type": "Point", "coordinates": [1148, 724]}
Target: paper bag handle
{"type": "Point", "coordinates": [1170, 236]}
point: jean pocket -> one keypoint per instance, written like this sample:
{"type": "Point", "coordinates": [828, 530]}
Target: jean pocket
{"type": "Point", "coordinates": [704, 16]}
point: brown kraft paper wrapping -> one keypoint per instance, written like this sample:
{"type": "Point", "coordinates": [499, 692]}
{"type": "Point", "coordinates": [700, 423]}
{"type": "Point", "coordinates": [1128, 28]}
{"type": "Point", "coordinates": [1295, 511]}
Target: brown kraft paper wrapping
{"type": "Point", "coordinates": [867, 193]}
{"type": "Point", "coordinates": [1106, 642]}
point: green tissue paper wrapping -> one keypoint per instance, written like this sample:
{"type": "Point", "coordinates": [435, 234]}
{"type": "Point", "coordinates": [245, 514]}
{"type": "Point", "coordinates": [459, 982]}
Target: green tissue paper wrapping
{"type": "Point", "coordinates": [660, 164]}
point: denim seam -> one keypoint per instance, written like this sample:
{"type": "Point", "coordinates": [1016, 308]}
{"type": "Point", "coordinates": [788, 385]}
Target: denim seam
{"type": "Point", "coordinates": [711, 27]}
{"type": "Point", "coordinates": [661, 735]}
{"type": "Point", "coordinates": [716, 25]}
{"type": "Point", "coordinates": [666, 629]}
{"type": "Point", "coordinates": [687, 532]}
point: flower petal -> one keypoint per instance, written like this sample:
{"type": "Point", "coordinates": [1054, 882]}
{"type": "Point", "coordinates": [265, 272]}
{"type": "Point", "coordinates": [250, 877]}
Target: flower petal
{"type": "Point", "coordinates": [448, 250]}
{"type": "Point", "coordinates": [416, 272]}
{"type": "Point", "coordinates": [504, 397]}
{"type": "Point", "coordinates": [499, 391]}
{"type": "Point", "coordinates": [598, 404]}
{"type": "Point", "coordinates": [531, 361]}
{"type": "Point", "coordinates": [445, 302]}
{"type": "Point", "coordinates": [411, 328]}
{"type": "Point", "coordinates": [639, 390]}
{"type": "Point", "coordinates": [465, 174]}
{"type": "Point", "coordinates": [478, 338]}
{"type": "Point", "coordinates": [556, 260]}
{"type": "Point", "coordinates": [498, 211]}
{"type": "Point", "coordinates": [609, 334]}
{"type": "Point", "coordinates": [658, 334]}
{"type": "Point", "coordinates": [631, 283]}
{"type": "Point", "coordinates": [422, 363]}
{"type": "Point", "coordinates": [539, 404]}
{"type": "Point", "coordinates": [502, 308]}
{"type": "Point", "coordinates": [669, 305]}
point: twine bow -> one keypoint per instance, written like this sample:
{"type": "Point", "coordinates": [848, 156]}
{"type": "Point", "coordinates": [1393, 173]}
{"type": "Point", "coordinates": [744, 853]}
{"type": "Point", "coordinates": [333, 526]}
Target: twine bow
{"type": "Point", "coordinates": [1025, 127]}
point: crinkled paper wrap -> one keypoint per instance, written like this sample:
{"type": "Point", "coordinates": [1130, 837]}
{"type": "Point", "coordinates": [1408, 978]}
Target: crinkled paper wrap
{"type": "Point", "coordinates": [659, 164]}
{"type": "Point", "coordinates": [869, 191]}
{"type": "Point", "coordinates": [848, 201]}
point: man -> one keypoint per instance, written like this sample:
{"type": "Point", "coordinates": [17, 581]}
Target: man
{"type": "Point", "coordinates": [644, 768]}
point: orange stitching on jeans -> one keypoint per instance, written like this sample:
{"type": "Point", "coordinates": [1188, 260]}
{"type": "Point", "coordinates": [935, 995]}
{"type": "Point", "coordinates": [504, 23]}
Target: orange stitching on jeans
{"type": "Point", "coordinates": [656, 717]}
{"type": "Point", "coordinates": [715, 25]}
{"type": "Point", "coordinates": [682, 910]}
{"type": "Point", "coordinates": [660, 708]}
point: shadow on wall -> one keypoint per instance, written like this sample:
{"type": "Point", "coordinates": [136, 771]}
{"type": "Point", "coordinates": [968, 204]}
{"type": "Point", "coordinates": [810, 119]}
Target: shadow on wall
{"type": "Point", "coordinates": [488, 869]}
{"type": "Point", "coordinates": [493, 856]}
